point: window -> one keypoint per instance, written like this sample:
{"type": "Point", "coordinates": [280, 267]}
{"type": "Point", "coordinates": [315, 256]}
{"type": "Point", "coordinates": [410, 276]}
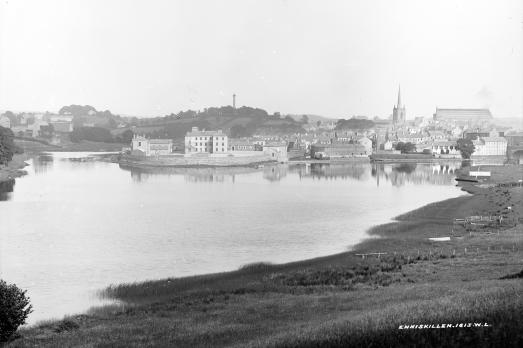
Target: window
{"type": "Point", "coordinates": [139, 143]}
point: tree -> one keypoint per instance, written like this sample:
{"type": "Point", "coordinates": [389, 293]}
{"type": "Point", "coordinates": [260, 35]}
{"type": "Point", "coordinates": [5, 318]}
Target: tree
{"type": "Point", "coordinates": [354, 123]}
{"type": "Point", "coordinates": [405, 147]}
{"type": "Point", "coordinates": [7, 145]}
{"type": "Point", "coordinates": [304, 119]}
{"type": "Point", "coordinates": [318, 123]}
{"type": "Point", "coordinates": [14, 309]}
{"type": "Point", "coordinates": [126, 137]}
{"type": "Point", "coordinates": [91, 134]}
{"type": "Point", "coordinates": [466, 147]}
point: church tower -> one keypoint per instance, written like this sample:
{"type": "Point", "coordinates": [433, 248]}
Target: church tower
{"type": "Point", "coordinates": [399, 114]}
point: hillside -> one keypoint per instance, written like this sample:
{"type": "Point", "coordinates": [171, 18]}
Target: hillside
{"type": "Point", "coordinates": [240, 122]}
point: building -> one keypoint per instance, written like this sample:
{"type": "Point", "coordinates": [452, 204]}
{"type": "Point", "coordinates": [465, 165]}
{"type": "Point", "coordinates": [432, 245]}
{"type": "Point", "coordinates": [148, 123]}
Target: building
{"type": "Point", "coordinates": [202, 141]}
{"type": "Point", "coordinates": [463, 116]}
{"type": "Point", "coordinates": [490, 146]}
{"type": "Point", "coordinates": [399, 114]}
{"type": "Point", "coordinates": [243, 145]}
{"type": "Point", "coordinates": [276, 150]}
{"type": "Point", "coordinates": [339, 150]}
{"type": "Point", "coordinates": [5, 122]}
{"type": "Point", "coordinates": [514, 139]}
{"type": "Point", "coordinates": [143, 146]}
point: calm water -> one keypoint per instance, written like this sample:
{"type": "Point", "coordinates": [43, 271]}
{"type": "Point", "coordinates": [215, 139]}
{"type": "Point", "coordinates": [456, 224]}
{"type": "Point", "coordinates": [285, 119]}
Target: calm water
{"type": "Point", "coordinates": [75, 225]}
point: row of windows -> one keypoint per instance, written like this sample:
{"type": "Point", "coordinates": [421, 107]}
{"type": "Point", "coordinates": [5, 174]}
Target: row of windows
{"type": "Point", "coordinates": [202, 150]}
{"type": "Point", "coordinates": [209, 138]}
{"type": "Point", "coordinates": [205, 144]}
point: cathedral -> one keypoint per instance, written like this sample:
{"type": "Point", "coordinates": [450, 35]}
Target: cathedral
{"type": "Point", "coordinates": [399, 115]}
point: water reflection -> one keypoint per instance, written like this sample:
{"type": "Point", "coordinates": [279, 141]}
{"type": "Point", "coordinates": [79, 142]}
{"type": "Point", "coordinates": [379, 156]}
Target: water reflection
{"type": "Point", "coordinates": [194, 175]}
{"type": "Point", "coordinates": [42, 163]}
{"type": "Point", "coordinates": [398, 174]}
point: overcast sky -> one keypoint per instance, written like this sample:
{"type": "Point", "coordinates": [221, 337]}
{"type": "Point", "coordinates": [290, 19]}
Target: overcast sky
{"type": "Point", "coordinates": [332, 58]}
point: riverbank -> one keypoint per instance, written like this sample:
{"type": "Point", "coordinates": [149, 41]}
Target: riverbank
{"type": "Point", "coordinates": [32, 146]}
{"type": "Point", "coordinates": [346, 299]}
{"type": "Point", "coordinates": [14, 168]}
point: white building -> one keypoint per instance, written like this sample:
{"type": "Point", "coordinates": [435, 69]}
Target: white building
{"type": "Point", "coordinates": [202, 141]}
{"type": "Point", "coordinates": [490, 146]}
{"type": "Point", "coordinates": [276, 150]}
{"type": "Point", "coordinates": [445, 149]}
{"type": "Point", "coordinates": [143, 146]}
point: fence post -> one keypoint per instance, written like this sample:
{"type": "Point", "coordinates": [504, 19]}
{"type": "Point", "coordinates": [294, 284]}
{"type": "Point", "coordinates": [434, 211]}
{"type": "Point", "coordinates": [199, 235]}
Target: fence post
{"type": "Point", "coordinates": [465, 250]}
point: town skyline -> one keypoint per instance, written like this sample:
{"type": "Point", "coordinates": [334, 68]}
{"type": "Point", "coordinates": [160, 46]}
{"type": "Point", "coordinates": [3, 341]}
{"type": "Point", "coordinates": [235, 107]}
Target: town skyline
{"type": "Point", "coordinates": [284, 56]}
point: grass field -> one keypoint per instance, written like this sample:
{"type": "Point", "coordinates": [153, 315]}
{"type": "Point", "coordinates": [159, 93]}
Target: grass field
{"type": "Point", "coordinates": [339, 300]}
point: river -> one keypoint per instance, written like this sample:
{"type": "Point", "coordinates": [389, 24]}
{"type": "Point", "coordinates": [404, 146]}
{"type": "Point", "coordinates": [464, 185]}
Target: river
{"type": "Point", "coordinates": [76, 224]}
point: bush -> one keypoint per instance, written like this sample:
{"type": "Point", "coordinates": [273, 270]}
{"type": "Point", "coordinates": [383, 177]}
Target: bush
{"type": "Point", "coordinates": [14, 309]}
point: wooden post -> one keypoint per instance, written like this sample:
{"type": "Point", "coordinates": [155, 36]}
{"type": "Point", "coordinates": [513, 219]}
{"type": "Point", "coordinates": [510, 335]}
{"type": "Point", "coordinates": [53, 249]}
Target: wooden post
{"type": "Point", "coordinates": [465, 250]}
{"type": "Point", "coordinates": [454, 252]}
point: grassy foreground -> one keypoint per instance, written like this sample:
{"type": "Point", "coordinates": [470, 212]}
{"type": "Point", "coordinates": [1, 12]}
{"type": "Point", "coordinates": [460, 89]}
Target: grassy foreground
{"type": "Point", "coordinates": [339, 300]}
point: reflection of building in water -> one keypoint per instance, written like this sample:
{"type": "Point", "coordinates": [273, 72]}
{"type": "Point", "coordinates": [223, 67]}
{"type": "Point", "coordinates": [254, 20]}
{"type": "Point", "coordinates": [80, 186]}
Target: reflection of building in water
{"type": "Point", "coordinates": [275, 173]}
{"type": "Point", "coordinates": [225, 174]}
{"type": "Point", "coordinates": [42, 164]}
{"type": "Point", "coordinates": [358, 171]}
{"type": "Point", "coordinates": [400, 174]}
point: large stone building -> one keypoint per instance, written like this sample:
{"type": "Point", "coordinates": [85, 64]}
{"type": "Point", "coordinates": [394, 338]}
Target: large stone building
{"type": "Point", "coordinates": [399, 114]}
{"type": "Point", "coordinates": [143, 146]}
{"type": "Point", "coordinates": [490, 146]}
{"type": "Point", "coordinates": [463, 116]}
{"type": "Point", "coordinates": [202, 141]}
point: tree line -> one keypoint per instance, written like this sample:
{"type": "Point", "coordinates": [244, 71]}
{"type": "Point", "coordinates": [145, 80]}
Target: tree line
{"type": "Point", "coordinates": [7, 145]}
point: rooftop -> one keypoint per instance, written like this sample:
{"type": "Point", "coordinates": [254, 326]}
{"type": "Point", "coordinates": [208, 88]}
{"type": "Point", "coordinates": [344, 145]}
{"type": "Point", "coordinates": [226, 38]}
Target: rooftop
{"type": "Point", "coordinates": [462, 114]}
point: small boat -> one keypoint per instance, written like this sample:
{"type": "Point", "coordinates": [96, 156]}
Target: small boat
{"type": "Point", "coordinates": [466, 180]}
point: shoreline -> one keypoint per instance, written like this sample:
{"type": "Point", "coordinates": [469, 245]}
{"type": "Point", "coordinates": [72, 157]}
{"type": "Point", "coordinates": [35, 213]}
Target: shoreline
{"type": "Point", "coordinates": [14, 169]}
{"type": "Point", "coordinates": [406, 237]}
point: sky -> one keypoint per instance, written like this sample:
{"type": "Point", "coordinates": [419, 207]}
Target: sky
{"type": "Point", "coordinates": [330, 58]}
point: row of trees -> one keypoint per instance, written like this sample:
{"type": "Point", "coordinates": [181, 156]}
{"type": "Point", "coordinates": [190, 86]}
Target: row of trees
{"type": "Point", "coordinates": [100, 135]}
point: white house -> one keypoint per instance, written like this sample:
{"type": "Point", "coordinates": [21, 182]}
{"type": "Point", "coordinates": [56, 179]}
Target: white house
{"type": "Point", "coordinates": [202, 141]}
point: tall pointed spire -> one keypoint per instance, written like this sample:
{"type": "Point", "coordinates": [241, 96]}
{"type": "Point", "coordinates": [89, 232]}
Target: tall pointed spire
{"type": "Point", "coordinates": [399, 97]}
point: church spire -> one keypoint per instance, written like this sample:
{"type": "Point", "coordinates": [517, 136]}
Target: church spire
{"type": "Point", "coordinates": [399, 96]}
